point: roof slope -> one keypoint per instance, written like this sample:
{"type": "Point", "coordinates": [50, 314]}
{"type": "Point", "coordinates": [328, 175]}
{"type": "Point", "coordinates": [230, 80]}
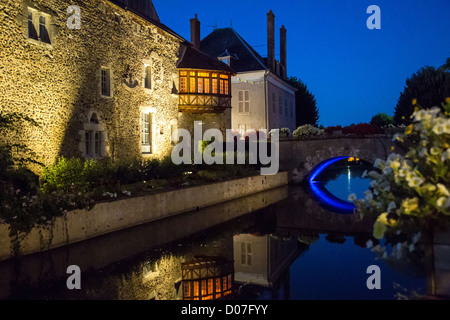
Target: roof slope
{"type": "Point", "coordinates": [146, 10]}
{"type": "Point", "coordinates": [243, 56]}
{"type": "Point", "coordinates": [196, 59]}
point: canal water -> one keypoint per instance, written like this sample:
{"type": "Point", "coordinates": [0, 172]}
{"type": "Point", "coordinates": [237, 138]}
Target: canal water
{"type": "Point", "coordinates": [278, 244]}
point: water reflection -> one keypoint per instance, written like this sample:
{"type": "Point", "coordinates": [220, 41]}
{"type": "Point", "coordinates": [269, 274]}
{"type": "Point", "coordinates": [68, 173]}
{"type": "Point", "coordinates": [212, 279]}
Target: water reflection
{"type": "Point", "coordinates": [287, 246]}
{"type": "Point", "coordinates": [332, 181]}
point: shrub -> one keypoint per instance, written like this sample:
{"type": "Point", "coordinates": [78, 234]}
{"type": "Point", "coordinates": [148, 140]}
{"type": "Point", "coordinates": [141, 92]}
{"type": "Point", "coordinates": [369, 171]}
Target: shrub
{"type": "Point", "coordinates": [306, 131]}
{"type": "Point", "coordinates": [64, 175]}
{"type": "Point", "coordinates": [361, 129]}
{"type": "Point", "coordinates": [411, 191]}
{"type": "Point", "coordinates": [330, 129]}
{"type": "Point", "coordinates": [382, 120]}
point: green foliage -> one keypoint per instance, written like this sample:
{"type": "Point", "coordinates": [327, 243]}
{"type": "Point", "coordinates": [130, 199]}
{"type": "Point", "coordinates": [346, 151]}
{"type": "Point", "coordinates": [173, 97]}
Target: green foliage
{"type": "Point", "coordinates": [305, 104]}
{"type": "Point", "coordinates": [411, 191]}
{"type": "Point", "coordinates": [306, 131]}
{"type": "Point", "coordinates": [382, 120]}
{"type": "Point", "coordinates": [427, 87]}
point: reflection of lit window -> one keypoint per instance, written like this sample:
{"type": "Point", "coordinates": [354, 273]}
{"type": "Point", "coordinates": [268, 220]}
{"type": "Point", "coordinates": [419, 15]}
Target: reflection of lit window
{"type": "Point", "coordinates": [207, 278]}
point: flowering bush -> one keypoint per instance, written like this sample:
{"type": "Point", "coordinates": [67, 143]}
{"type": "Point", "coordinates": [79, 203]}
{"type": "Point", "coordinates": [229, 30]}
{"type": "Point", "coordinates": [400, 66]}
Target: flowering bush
{"type": "Point", "coordinates": [407, 191]}
{"type": "Point", "coordinates": [330, 129]}
{"type": "Point", "coordinates": [362, 128]}
{"type": "Point", "coordinates": [283, 132]}
{"type": "Point", "coordinates": [307, 130]}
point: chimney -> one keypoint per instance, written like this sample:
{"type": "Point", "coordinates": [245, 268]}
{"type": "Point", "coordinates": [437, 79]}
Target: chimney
{"type": "Point", "coordinates": [271, 41]}
{"type": "Point", "coordinates": [195, 32]}
{"type": "Point", "coordinates": [283, 60]}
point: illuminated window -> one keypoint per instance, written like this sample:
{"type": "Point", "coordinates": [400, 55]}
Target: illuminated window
{"type": "Point", "coordinates": [146, 132]}
{"type": "Point", "coordinates": [214, 86]}
{"type": "Point", "coordinates": [192, 73]}
{"type": "Point", "coordinates": [244, 101]}
{"type": "Point", "coordinates": [226, 88]}
{"type": "Point", "coordinates": [200, 85]}
{"type": "Point", "coordinates": [183, 84]}
{"type": "Point", "coordinates": [206, 85]}
{"type": "Point", "coordinates": [192, 85]}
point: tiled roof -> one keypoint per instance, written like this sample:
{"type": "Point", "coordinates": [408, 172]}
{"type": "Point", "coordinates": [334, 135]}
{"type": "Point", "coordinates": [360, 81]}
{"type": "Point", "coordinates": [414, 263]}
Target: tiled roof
{"type": "Point", "coordinates": [243, 56]}
{"type": "Point", "coordinates": [196, 59]}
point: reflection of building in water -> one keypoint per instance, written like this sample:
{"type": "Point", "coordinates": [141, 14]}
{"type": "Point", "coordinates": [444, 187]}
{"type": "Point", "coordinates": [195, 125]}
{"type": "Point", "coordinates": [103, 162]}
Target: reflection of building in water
{"type": "Point", "coordinates": [264, 260]}
{"type": "Point", "coordinates": [207, 278]}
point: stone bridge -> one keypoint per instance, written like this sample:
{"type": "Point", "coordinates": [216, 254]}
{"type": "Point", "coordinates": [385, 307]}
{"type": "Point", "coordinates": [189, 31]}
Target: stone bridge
{"type": "Point", "coordinates": [299, 157]}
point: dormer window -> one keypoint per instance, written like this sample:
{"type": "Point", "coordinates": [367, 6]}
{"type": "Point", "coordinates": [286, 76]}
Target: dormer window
{"type": "Point", "coordinates": [225, 60]}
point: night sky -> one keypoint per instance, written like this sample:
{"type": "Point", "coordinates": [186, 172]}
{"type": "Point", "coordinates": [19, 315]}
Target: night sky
{"type": "Point", "coordinates": [353, 72]}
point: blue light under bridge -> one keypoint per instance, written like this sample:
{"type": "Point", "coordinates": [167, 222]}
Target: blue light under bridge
{"type": "Point", "coordinates": [322, 195]}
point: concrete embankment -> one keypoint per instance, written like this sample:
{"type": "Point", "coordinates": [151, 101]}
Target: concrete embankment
{"type": "Point", "coordinates": [107, 217]}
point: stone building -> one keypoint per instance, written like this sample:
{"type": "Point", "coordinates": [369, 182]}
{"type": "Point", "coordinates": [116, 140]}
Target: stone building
{"type": "Point", "coordinates": [261, 98]}
{"type": "Point", "coordinates": [103, 85]}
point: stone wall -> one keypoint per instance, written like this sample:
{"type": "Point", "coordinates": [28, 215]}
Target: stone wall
{"type": "Point", "coordinates": [108, 217]}
{"type": "Point", "coordinates": [58, 85]}
{"type": "Point", "coordinates": [299, 157]}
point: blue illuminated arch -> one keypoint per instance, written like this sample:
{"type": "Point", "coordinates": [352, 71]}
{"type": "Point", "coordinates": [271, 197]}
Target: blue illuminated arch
{"type": "Point", "coordinates": [322, 195]}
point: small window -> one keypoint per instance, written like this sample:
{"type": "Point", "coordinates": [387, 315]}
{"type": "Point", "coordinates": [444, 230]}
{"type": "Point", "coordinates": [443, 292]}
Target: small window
{"type": "Point", "coordinates": [106, 82]}
{"type": "Point", "coordinates": [32, 33]}
{"type": "Point", "coordinates": [244, 101]}
{"type": "Point", "coordinates": [43, 32]}
{"type": "Point", "coordinates": [146, 132]}
{"type": "Point", "coordinates": [92, 140]}
{"type": "Point", "coordinates": [147, 77]}
{"type": "Point", "coordinates": [38, 26]}
{"type": "Point", "coordinates": [246, 253]}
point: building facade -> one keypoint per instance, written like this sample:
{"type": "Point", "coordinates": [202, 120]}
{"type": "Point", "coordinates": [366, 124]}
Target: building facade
{"type": "Point", "coordinates": [261, 98]}
{"type": "Point", "coordinates": [100, 78]}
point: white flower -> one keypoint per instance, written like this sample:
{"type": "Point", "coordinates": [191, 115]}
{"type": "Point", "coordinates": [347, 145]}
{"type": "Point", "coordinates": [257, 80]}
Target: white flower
{"type": "Point", "coordinates": [415, 182]}
{"type": "Point", "coordinates": [379, 163]}
{"type": "Point", "coordinates": [442, 202]}
{"type": "Point", "coordinates": [352, 197]}
{"type": "Point", "coordinates": [373, 174]}
{"type": "Point", "coordinates": [391, 206]}
{"type": "Point", "coordinates": [368, 195]}
{"type": "Point", "coordinates": [439, 129]}
{"type": "Point", "coordinates": [445, 155]}
{"type": "Point", "coordinates": [443, 190]}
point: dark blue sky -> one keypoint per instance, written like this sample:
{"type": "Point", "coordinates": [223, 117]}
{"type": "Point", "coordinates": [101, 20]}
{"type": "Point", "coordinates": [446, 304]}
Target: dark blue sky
{"type": "Point", "coordinates": [353, 72]}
